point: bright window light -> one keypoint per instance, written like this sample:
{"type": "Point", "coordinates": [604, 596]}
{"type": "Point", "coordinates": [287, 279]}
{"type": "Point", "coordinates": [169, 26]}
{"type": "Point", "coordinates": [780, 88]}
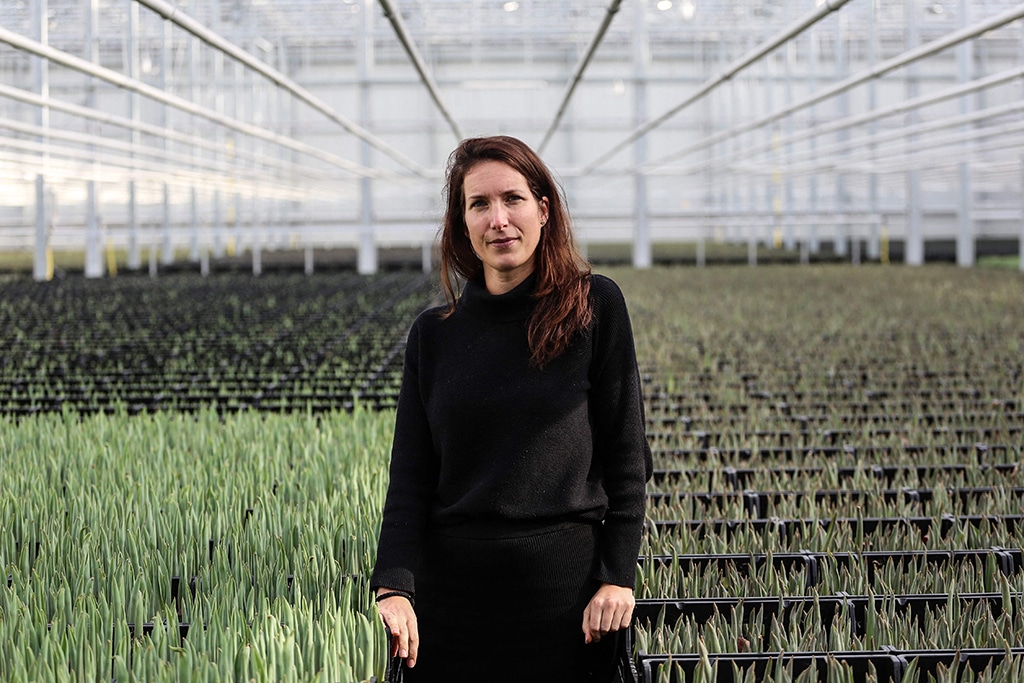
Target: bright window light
{"type": "Point", "coordinates": [511, 6]}
{"type": "Point", "coordinates": [664, 5]}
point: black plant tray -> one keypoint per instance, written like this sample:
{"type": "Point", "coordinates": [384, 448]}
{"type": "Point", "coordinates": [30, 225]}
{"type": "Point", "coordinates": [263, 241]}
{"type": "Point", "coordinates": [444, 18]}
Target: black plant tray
{"type": "Point", "coordinates": [786, 608]}
{"type": "Point", "coordinates": [870, 525]}
{"type": "Point", "coordinates": [889, 664]}
{"type": "Point", "coordinates": [1009, 560]}
{"type": "Point", "coordinates": [147, 628]}
{"type": "Point", "coordinates": [758, 504]}
{"type": "Point", "coordinates": [736, 478]}
{"type": "Point", "coordinates": [980, 451]}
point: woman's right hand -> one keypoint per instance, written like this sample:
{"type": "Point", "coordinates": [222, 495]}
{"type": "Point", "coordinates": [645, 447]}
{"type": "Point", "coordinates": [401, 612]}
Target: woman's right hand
{"type": "Point", "coordinates": [398, 615]}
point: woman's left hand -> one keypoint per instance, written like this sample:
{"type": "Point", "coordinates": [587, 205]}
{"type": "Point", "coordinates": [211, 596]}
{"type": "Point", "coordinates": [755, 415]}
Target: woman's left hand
{"type": "Point", "coordinates": [609, 610]}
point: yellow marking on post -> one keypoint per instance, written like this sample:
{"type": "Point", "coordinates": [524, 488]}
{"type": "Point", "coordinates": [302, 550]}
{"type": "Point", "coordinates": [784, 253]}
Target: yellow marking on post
{"type": "Point", "coordinates": [111, 258]}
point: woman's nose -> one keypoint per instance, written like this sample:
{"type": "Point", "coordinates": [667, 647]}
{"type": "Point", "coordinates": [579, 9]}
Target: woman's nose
{"type": "Point", "coordinates": [499, 218]}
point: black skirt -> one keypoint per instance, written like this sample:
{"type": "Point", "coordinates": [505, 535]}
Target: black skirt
{"type": "Point", "coordinates": [508, 609]}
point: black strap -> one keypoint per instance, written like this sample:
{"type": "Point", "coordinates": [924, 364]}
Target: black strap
{"type": "Point", "coordinates": [390, 594]}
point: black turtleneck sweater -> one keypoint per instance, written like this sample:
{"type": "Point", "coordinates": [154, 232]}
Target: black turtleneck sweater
{"type": "Point", "coordinates": [487, 446]}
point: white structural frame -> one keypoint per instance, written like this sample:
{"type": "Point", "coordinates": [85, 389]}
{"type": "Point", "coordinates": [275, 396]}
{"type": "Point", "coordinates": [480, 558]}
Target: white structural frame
{"type": "Point", "coordinates": [193, 128]}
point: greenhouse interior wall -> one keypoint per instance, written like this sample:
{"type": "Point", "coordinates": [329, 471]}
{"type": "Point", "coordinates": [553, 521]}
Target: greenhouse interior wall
{"type": "Point", "coordinates": [185, 132]}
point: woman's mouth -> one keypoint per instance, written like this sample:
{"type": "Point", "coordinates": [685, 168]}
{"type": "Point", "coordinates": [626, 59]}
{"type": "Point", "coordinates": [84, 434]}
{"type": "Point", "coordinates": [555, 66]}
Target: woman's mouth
{"type": "Point", "coordinates": [503, 242]}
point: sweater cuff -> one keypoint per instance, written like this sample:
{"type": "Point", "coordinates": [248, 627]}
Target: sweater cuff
{"type": "Point", "coordinates": [397, 578]}
{"type": "Point", "coordinates": [617, 561]}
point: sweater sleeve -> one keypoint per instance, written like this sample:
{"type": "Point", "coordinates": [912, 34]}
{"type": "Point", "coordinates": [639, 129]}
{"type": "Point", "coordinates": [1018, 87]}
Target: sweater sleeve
{"type": "Point", "coordinates": [620, 439]}
{"type": "Point", "coordinates": [413, 481]}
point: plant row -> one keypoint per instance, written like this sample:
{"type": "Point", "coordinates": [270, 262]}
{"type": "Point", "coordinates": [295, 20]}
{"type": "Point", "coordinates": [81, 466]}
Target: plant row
{"type": "Point", "coordinates": [191, 546]}
{"type": "Point", "coordinates": [185, 343]}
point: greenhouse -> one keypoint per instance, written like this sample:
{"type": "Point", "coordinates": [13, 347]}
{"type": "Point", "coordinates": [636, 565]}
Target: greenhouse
{"type": "Point", "coordinates": [220, 220]}
{"type": "Point", "coordinates": [181, 131]}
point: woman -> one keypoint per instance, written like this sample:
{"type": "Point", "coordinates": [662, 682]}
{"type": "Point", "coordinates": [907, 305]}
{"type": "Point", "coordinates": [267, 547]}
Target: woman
{"type": "Point", "coordinates": [516, 501]}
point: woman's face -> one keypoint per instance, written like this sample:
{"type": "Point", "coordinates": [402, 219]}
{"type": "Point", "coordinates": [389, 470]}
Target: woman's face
{"type": "Point", "coordinates": [504, 221]}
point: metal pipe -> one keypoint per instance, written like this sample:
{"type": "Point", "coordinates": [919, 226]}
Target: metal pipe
{"type": "Point", "coordinates": [133, 154]}
{"type": "Point", "coordinates": [880, 69]}
{"type": "Point", "coordinates": [134, 85]}
{"type": "Point", "coordinates": [395, 17]}
{"type": "Point", "coordinates": [609, 14]}
{"type": "Point", "coordinates": [898, 108]}
{"type": "Point", "coordinates": [856, 163]}
{"type": "Point", "coordinates": [137, 127]}
{"type": "Point", "coordinates": [173, 14]}
{"type": "Point", "coordinates": [743, 62]}
{"type": "Point", "coordinates": [926, 127]}
{"type": "Point", "coordinates": [950, 122]}
{"type": "Point", "coordinates": [811, 163]}
{"type": "Point", "coordinates": [867, 147]}
{"type": "Point", "coordinates": [77, 164]}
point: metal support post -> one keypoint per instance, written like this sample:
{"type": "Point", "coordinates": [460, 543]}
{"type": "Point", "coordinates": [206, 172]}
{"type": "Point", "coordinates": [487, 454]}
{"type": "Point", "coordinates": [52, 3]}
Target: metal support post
{"type": "Point", "coordinates": [914, 247]}
{"type": "Point", "coordinates": [813, 244]}
{"type": "Point", "coordinates": [427, 256]}
{"type": "Point", "coordinates": [42, 269]}
{"type": "Point", "coordinates": [367, 253]}
{"type": "Point", "coordinates": [41, 261]}
{"type": "Point", "coordinates": [842, 198]}
{"type": "Point", "coordinates": [194, 92]}
{"type": "Point", "coordinates": [642, 257]}
{"type": "Point", "coordinates": [134, 70]}
{"type": "Point", "coordinates": [218, 227]}
{"type": "Point", "coordinates": [874, 238]}
{"type": "Point", "coordinates": [965, 248]}
{"type": "Point", "coordinates": [167, 255]}
{"type": "Point", "coordinates": [841, 246]}
{"type": "Point", "coordinates": [914, 244]}
{"type": "Point", "coordinates": [134, 248]}
{"type": "Point", "coordinates": [193, 240]}
{"type": "Point", "coordinates": [93, 239]}
{"type": "Point", "coordinates": [237, 238]}
{"type": "Point", "coordinates": [874, 249]}
{"type": "Point", "coordinates": [309, 260]}
{"type": "Point", "coordinates": [256, 239]}
{"type": "Point", "coordinates": [788, 233]}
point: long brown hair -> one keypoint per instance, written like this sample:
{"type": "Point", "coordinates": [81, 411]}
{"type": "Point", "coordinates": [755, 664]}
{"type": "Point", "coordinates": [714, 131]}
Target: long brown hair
{"type": "Point", "coordinates": [563, 276]}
